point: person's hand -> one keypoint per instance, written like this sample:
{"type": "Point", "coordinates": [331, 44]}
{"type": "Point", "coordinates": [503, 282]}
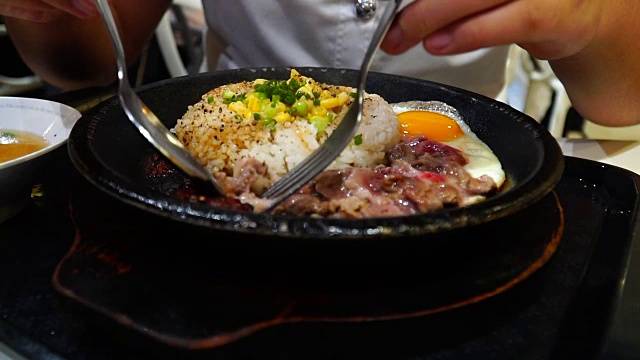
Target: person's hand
{"type": "Point", "coordinates": [548, 29]}
{"type": "Point", "coordinates": [591, 45]}
{"type": "Point", "coordinates": [42, 11]}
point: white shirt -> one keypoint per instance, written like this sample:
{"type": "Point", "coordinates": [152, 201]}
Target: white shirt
{"type": "Point", "coordinates": [328, 33]}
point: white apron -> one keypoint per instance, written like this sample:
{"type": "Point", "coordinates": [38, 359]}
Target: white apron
{"type": "Point", "coordinates": [328, 33]}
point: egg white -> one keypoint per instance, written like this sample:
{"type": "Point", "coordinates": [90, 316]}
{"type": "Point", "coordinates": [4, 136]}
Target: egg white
{"type": "Point", "coordinates": [482, 160]}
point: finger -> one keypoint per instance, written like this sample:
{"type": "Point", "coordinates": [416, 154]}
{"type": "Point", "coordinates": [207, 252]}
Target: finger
{"type": "Point", "coordinates": [83, 9]}
{"type": "Point", "coordinates": [23, 5]}
{"type": "Point", "coordinates": [424, 17]}
{"type": "Point", "coordinates": [35, 13]}
{"type": "Point", "coordinates": [545, 34]}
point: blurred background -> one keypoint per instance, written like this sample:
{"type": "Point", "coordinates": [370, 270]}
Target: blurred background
{"type": "Point", "coordinates": [177, 49]}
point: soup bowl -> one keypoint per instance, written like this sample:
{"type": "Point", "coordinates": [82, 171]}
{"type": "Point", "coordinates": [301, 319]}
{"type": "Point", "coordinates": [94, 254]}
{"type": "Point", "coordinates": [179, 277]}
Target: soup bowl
{"type": "Point", "coordinates": [48, 120]}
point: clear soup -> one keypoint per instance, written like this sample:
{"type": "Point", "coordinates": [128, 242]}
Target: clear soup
{"type": "Point", "coordinates": [17, 143]}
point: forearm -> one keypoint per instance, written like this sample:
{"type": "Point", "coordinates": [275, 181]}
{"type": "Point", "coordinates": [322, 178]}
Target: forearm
{"type": "Point", "coordinates": [72, 53]}
{"type": "Point", "coordinates": [603, 80]}
{"type": "Point", "coordinates": [67, 52]}
{"type": "Point", "coordinates": [591, 45]}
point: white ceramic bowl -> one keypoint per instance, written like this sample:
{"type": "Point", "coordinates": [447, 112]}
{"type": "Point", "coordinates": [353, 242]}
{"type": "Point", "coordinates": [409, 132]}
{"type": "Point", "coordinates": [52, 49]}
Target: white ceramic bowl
{"type": "Point", "coordinates": [49, 119]}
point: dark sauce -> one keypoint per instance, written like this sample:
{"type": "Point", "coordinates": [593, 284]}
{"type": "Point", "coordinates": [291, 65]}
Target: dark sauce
{"type": "Point", "coordinates": [161, 175]}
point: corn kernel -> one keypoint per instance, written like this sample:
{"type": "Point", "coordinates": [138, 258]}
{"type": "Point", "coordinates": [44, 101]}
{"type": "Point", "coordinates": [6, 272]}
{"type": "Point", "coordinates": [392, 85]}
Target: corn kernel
{"type": "Point", "coordinates": [329, 103]}
{"type": "Point", "coordinates": [254, 104]}
{"type": "Point", "coordinates": [343, 98]}
{"type": "Point", "coordinates": [318, 111]}
{"type": "Point", "coordinates": [325, 94]}
{"type": "Point", "coordinates": [238, 107]}
{"type": "Point", "coordinates": [282, 117]}
{"type": "Point", "coordinates": [280, 106]}
{"type": "Point", "coordinates": [306, 89]}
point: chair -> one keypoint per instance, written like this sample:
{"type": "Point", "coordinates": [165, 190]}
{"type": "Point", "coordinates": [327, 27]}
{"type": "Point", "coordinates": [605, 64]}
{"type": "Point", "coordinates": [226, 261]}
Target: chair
{"type": "Point", "coordinates": [173, 21]}
{"type": "Point", "coordinates": [533, 88]}
{"type": "Point", "coordinates": [15, 85]}
{"type": "Point", "coordinates": [541, 76]}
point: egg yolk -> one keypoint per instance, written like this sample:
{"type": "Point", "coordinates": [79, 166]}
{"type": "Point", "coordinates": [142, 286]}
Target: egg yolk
{"type": "Point", "coordinates": [434, 126]}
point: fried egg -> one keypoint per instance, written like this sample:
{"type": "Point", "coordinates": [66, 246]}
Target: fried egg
{"type": "Point", "coordinates": [441, 122]}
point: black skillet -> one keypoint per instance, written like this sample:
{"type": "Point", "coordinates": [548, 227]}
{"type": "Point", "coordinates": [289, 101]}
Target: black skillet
{"type": "Point", "coordinates": [109, 152]}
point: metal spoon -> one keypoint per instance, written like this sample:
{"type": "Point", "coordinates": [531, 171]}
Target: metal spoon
{"type": "Point", "coordinates": [143, 118]}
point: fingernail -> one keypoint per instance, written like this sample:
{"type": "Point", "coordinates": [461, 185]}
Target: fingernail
{"type": "Point", "coordinates": [85, 7]}
{"type": "Point", "coordinates": [439, 41]}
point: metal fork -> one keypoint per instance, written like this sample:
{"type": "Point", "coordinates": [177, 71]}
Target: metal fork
{"type": "Point", "coordinates": [344, 132]}
{"type": "Point", "coordinates": [143, 118]}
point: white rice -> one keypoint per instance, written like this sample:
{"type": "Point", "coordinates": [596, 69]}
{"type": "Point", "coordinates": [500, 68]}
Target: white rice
{"type": "Point", "coordinates": [218, 140]}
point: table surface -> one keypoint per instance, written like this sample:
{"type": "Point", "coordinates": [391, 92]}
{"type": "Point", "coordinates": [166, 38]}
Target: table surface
{"type": "Point", "coordinates": [624, 154]}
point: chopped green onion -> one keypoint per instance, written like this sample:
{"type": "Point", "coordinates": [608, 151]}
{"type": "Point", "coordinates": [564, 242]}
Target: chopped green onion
{"type": "Point", "coordinates": [284, 89]}
{"type": "Point", "coordinates": [7, 135]}
{"type": "Point", "coordinates": [320, 123]}
{"type": "Point", "coordinates": [289, 99]}
{"type": "Point", "coordinates": [256, 116]}
{"type": "Point", "coordinates": [210, 99]}
{"type": "Point", "coordinates": [227, 94]}
{"type": "Point", "coordinates": [7, 138]}
{"type": "Point", "coordinates": [357, 139]}
{"type": "Point", "coordinates": [316, 102]}
{"type": "Point", "coordinates": [269, 111]}
{"type": "Point", "coordinates": [270, 123]}
{"type": "Point", "coordinates": [235, 98]}
{"type": "Point", "coordinates": [353, 94]}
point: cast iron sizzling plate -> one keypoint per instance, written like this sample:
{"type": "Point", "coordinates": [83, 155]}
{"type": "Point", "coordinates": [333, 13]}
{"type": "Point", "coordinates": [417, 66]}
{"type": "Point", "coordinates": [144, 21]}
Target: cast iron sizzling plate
{"type": "Point", "coordinates": [108, 150]}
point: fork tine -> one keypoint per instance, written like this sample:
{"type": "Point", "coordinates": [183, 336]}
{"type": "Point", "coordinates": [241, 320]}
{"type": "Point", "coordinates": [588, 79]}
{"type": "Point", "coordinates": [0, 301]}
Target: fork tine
{"type": "Point", "coordinates": [321, 158]}
{"type": "Point", "coordinates": [296, 175]}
